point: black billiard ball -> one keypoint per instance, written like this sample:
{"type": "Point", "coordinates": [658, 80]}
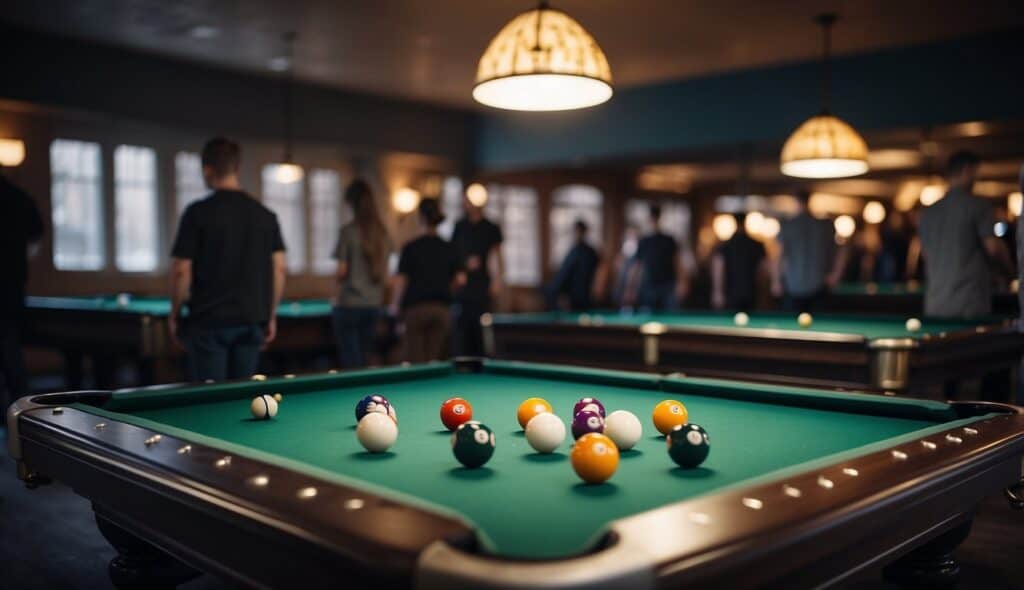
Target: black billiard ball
{"type": "Point", "coordinates": [473, 444]}
{"type": "Point", "coordinates": [688, 445]}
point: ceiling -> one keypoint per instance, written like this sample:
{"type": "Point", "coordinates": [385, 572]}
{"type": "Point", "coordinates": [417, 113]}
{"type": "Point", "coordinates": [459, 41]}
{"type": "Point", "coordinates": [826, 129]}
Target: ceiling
{"type": "Point", "coordinates": [428, 50]}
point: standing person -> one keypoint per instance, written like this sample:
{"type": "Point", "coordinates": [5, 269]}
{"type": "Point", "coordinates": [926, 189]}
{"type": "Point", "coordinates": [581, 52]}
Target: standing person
{"type": "Point", "coordinates": [21, 227]}
{"type": "Point", "coordinates": [734, 269]}
{"type": "Point", "coordinates": [575, 278]}
{"type": "Point", "coordinates": [478, 243]}
{"type": "Point", "coordinates": [428, 272]}
{"type": "Point", "coordinates": [808, 263]}
{"type": "Point", "coordinates": [891, 265]}
{"type": "Point", "coordinates": [362, 255]}
{"type": "Point", "coordinates": [957, 245]}
{"type": "Point", "coordinates": [228, 263]}
{"type": "Point", "coordinates": [657, 279]}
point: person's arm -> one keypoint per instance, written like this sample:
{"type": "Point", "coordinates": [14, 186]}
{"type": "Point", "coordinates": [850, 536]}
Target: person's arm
{"type": "Point", "coordinates": [718, 281]}
{"type": "Point", "coordinates": [682, 277]}
{"type": "Point", "coordinates": [838, 266]}
{"type": "Point", "coordinates": [181, 285]}
{"type": "Point", "coordinates": [34, 226]}
{"type": "Point", "coordinates": [398, 284]}
{"type": "Point", "coordinates": [496, 268]}
{"type": "Point", "coordinates": [913, 257]}
{"type": "Point", "coordinates": [775, 268]}
{"type": "Point", "coordinates": [280, 269]}
{"type": "Point", "coordinates": [600, 285]}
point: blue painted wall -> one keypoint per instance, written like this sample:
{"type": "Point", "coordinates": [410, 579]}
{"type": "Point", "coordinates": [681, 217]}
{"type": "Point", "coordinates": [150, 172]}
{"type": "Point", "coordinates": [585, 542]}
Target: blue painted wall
{"type": "Point", "coordinates": [976, 78]}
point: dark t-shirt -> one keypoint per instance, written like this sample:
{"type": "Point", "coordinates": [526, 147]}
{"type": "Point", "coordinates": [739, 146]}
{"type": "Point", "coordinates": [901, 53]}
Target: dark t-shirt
{"type": "Point", "coordinates": [575, 278]}
{"type": "Point", "coordinates": [473, 241]}
{"type": "Point", "coordinates": [656, 254]}
{"type": "Point", "coordinates": [20, 225]}
{"type": "Point", "coordinates": [742, 256]}
{"type": "Point", "coordinates": [429, 265]}
{"type": "Point", "coordinates": [230, 239]}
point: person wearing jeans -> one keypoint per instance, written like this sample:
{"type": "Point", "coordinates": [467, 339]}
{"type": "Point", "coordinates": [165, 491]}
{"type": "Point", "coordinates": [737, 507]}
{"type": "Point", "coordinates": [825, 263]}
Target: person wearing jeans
{"type": "Point", "coordinates": [362, 254]}
{"type": "Point", "coordinates": [228, 265]}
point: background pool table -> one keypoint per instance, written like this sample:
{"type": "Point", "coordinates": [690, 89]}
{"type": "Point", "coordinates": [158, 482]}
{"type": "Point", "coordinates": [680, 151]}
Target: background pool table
{"type": "Point", "coordinates": [105, 332]}
{"type": "Point", "coordinates": [899, 298]}
{"type": "Point", "coordinates": [851, 351]}
{"type": "Point", "coordinates": [296, 499]}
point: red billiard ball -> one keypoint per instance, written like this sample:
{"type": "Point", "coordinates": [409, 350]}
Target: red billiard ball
{"type": "Point", "coordinates": [454, 412]}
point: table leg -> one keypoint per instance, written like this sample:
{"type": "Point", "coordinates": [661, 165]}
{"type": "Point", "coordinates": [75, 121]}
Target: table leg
{"type": "Point", "coordinates": [931, 565]}
{"type": "Point", "coordinates": [139, 564]}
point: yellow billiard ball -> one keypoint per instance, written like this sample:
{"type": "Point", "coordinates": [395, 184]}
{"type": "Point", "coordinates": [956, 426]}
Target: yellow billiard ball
{"type": "Point", "coordinates": [805, 320]}
{"type": "Point", "coordinates": [530, 408]}
{"type": "Point", "coordinates": [594, 457]}
{"type": "Point", "coordinates": [669, 414]}
{"type": "Point", "coordinates": [278, 397]}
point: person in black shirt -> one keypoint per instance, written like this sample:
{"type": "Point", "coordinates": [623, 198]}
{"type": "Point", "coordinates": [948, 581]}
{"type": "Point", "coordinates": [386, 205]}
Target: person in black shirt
{"type": "Point", "coordinates": [229, 264]}
{"type": "Point", "coordinates": [575, 278]}
{"type": "Point", "coordinates": [658, 279]}
{"type": "Point", "coordinates": [478, 243]}
{"type": "Point", "coordinates": [21, 227]}
{"type": "Point", "coordinates": [734, 269]}
{"type": "Point", "coordinates": [428, 271]}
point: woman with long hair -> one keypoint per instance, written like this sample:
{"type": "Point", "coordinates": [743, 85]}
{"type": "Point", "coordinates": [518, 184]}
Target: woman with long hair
{"type": "Point", "coordinates": [362, 255]}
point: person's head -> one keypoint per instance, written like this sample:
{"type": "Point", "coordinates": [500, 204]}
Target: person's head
{"type": "Point", "coordinates": [430, 214]}
{"type": "Point", "coordinates": [741, 219]}
{"type": "Point", "coordinates": [655, 213]}
{"type": "Point", "coordinates": [803, 197]}
{"type": "Point", "coordinates": [962, 168]}
{"type": "Point", "coordinates": [580, 229]}
{"type": "Point", "coordinates": [221, 158]}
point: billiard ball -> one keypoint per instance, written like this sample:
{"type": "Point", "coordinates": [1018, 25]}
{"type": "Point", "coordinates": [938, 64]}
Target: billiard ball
{"type": "Point", "coordinates": [278, 397]}
{"type": "Point", "coordinates": [123, 299]}
{"type": "Point", "coordinates": [594, 458]}
{"type": "Point", "coordinates": [623, 428]}
{"type": "Point", "coordinates": [473, 444]}
{"type": "Point", "coordinates": [371, 404]}
{"type": "Point", "coordinates": [688, 445]}
{"type": "Point", "coordinates": [392, 413]}
{"type": "Point", "coordinates": [913, 325]}
{"type": "Point", "coordinates": [545, 432]}
{"type": "Point", "coordinates": [741, 319]}
{"type": "Point", "coordinates": [588, 403]}
{"type": "Point", "coordinates": [263, 407]}
{"type": "Point", "coordinates": [377, 432]}
{"type": "Point", "coordinates": [454, 412]}
{"type": "Point", "coordinates": [530, 408]}
{"type": "Point", "coordinates": [669, 414]}
{"type": "Point", "coordinates": [258, 377]}
{"type": "Point", "coordinates": [804, 320]}
{"type": "Point", "coordinates": [586, 422]}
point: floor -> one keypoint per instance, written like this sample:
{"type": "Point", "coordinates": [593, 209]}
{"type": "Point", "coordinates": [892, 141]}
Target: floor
{"type": "Point", "coordinates": [49, 542]}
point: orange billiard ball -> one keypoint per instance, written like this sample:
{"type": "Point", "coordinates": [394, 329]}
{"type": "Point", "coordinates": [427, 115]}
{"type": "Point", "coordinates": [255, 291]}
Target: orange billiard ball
{"type": "Point", "coordinates": [594, 457]}
{"type": "Point", "coordinates": [454, 412]}
{"type": "Point", "coordinates": [669, 414]}
{"type": "Point", "coordinates": [530, 408]}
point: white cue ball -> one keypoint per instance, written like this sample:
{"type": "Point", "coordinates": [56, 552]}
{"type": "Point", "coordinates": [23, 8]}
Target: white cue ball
{"type": "Point", "coordinates": [123, 299]}
{"type": "Point", "coordinates": [741, 319]}
{"type": "Point", "coordinates": [263, 407]}
{"type": "Point", "coordinates": [804, 320]}
{"type": "Point", "coordinates": [545, 432]}
{"type": "Point", "coordinates": [623, 428]}
{"type": "Point", "coordinates": [913, 325]}
{"type": "Point", "coordinates": [377, 432]}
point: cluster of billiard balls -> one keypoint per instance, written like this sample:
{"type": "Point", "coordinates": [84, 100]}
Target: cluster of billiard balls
{"type": "Point", "coordinates": [804, 320]}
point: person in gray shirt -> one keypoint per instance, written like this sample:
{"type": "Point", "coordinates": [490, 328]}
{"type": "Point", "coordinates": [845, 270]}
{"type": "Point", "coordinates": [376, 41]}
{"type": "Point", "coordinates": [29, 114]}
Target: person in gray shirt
{"type": "Point", "coordinates": [958, 246]}
{"type": "Point", "coordinates": [808, 264]}
{"type": "Point", "coordinates": [362, 254]}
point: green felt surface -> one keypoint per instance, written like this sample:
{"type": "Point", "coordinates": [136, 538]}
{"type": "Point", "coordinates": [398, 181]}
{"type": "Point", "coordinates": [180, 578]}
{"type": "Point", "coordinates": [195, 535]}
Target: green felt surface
{"type": "Point", "coordinates": [524, 504]}
{"type": "Point", "coordinates": [867, 326]}
{"type": "Point", "coordinates": [916, 289]}
{"type": "Point", "coordinates": [161, 306]}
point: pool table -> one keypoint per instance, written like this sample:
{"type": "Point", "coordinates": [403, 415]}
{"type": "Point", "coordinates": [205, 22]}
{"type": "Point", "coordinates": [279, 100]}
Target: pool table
{"type": "Point", "coordinates": [802, 486]}
{"type": "Point", "coordinates": [105, 330]}
{"type": "Point", "coordinates": [899, 298]}
{"type": "Point", "coordinates": [846, 351]}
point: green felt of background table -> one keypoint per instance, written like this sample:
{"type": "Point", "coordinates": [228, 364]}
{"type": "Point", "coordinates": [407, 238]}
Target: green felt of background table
{"type": "Point", "coordinates": [867, 326]}
{"type": "Point", "coordinates": [878, 289]}
{"type": "Point", "coordinates": [525, 504]}
{"type": "Point", "coordinates": [161, 306]}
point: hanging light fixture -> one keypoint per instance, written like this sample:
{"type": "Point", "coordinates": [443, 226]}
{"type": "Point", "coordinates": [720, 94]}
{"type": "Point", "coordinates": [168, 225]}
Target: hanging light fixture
{"type": "Point", "coordinates": [543, 60]}
{"type": "Point", "coordinates": [825, 146]}
{"type": "Point", "coordinates": [287, 170]}
{"type": "Point", "coordinates": [12, 152]}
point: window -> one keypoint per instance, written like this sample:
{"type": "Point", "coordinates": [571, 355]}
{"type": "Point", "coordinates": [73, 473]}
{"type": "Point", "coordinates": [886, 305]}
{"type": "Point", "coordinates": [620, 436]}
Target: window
{"type": "Point", "coordinates": [136, 228]}
{"type": "Point", "coordinates": [451, 205]}
{"type": "Point", "coordinates": [77, 203]}
{"type": "Point", "coordinates": [188, 179]}
{"type": "Point", "coordinates": [285, 200]}
{"type": "Point", "coordinates": [570, 203]}
{"type": "Point", "coordinates": [516, 210]}
{"type": "Point", "coordinates": [325, 200]}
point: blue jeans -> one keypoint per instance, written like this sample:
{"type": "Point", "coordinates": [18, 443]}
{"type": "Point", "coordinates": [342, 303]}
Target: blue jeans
{"type": "Point", "coordinates": [659, 297]}
{"type": "Point", "coordinates": [354, 328]}
{"type": "Point", "coordinates": [223, 353]}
